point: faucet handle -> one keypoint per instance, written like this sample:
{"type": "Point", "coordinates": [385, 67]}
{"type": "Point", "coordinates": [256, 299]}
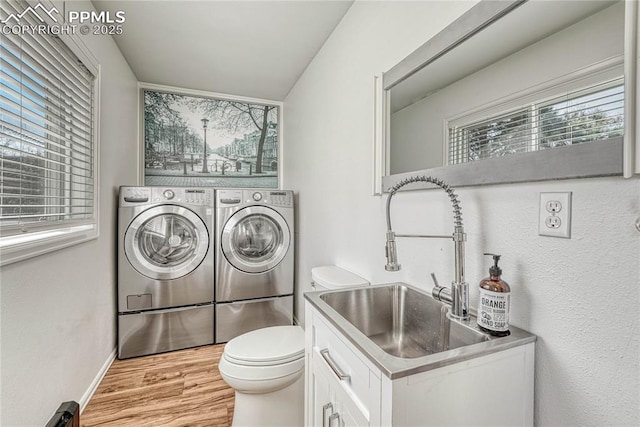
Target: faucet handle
{"type": "Point", "coordinates": [435, 280]}
{"type": "Point", "coordinates": [440, 293]}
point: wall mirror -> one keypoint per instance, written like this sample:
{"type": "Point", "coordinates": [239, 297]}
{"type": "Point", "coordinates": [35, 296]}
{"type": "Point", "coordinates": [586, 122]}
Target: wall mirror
{"type": "Point", "coordinates": [512, 91]}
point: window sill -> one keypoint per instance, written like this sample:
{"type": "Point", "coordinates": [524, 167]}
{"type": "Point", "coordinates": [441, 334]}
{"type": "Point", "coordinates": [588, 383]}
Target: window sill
{"type": "Point", "coordinates": [22, 247]}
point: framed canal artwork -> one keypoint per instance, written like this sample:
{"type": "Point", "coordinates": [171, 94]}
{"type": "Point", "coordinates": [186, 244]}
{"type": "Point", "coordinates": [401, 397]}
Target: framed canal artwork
{"type": "Point", "coordinates": [193, 140]}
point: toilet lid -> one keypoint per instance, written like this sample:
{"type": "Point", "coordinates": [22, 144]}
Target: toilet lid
{"type": "Point", "coordinates": [332, 277]}
{"type": "Point", "coordinates": [267, 346]}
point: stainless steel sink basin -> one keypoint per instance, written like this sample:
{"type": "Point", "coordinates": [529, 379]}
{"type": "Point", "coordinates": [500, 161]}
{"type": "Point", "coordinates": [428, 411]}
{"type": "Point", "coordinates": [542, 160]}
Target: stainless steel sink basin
{"type": "Point", "coordinates": [403, 330]}
{"type": "Point", "coordinates": [402, 321]}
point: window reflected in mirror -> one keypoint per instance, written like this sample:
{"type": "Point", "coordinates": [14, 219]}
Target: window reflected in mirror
{"type": "Point", "coordinates": [590, 115]}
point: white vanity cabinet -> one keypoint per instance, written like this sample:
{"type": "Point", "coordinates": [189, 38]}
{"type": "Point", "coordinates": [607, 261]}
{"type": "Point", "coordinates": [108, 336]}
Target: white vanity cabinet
{"type": "Point", "coordinates": [492, 390]}
{"type": "Point", "coordinates": [488, 390]}
{"type": "Point", "coordinates": [342, 386]}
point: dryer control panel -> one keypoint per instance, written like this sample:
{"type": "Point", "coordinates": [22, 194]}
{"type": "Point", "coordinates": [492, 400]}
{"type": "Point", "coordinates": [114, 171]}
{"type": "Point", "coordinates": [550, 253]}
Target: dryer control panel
{"type": "Point", "coordinates": [282, 198]}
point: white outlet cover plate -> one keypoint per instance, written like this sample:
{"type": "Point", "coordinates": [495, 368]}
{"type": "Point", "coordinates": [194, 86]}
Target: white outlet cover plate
{"type": "Point", "coordinates": [563, 214]}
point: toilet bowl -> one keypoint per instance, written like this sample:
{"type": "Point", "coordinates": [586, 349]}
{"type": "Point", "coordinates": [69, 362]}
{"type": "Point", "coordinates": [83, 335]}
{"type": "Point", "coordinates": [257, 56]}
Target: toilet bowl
{"type": "Point", "coordinates": [265, 367]}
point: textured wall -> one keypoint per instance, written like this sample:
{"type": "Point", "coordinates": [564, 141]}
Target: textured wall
{"type": "Point", "coordinates": [579, 295]}
{"type": "Point", "coordinates": [58, 323]}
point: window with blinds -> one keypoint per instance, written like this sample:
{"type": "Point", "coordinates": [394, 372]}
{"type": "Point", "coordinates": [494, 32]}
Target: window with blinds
{"type": "Point", "coordinates": [46, 133]}
{"type": "Point", "coordinates": [593, 114]}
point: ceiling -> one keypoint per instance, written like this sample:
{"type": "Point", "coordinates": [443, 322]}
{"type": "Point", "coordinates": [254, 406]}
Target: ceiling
{"type": "Point", "coordinates": [255, 49]}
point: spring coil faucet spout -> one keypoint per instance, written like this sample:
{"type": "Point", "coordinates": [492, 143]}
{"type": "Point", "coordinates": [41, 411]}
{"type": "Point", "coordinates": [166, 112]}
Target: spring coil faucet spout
{"type": "Point", "coordinates": [458, 295]}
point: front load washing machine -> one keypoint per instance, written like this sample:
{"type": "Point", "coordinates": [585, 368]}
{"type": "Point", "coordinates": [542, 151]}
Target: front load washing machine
{"type": "Point", "coordinates": [254, 260]}
{"type": "Point", "coordinates": [165, 269]}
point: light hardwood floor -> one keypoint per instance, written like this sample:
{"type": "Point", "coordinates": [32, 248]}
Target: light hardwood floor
{"type": "Point", "coordinates": [180, 388]}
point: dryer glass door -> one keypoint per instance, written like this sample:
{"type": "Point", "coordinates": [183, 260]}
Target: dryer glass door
{"type": "Point", "coordinates": [166, 242]}
{"type": "Point", "coordinates": [255, 239]}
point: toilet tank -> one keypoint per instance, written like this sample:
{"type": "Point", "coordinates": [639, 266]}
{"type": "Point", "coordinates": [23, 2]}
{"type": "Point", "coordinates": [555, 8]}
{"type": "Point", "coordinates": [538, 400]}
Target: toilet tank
{"type": "Point", "coordinates": [333, 277]}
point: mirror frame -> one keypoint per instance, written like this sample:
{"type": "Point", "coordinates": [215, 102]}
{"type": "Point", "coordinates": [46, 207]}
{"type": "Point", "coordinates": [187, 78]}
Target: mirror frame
{"type": "Point", "coordinates": [577, 161]}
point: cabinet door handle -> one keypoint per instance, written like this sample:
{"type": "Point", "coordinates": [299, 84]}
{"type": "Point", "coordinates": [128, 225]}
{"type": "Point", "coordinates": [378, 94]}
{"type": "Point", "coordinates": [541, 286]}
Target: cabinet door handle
{"type": "Point", "coordinates": [334, 367]}
{"type": "Point", "coordinates": [335, 417]}
{"type": "Point", "coordinates": [326, 408]}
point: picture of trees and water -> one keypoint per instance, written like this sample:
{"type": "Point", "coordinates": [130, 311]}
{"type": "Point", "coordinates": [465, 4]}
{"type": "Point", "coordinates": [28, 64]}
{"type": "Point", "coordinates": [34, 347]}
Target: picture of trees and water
{"type": "Point", "coordinates": [200, 141]}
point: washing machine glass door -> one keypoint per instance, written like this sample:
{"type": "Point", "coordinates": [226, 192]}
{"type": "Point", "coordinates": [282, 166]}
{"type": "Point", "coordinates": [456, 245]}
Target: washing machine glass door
{"type": "Point", "coordinates": [255, 239]}
{"type": "Point", "coordinates": [166, 242]}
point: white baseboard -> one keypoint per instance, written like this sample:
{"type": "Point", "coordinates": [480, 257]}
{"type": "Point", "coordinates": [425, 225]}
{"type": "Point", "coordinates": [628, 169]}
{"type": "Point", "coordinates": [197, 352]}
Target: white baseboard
{"type": "Point", "coordinates": [96, 381]}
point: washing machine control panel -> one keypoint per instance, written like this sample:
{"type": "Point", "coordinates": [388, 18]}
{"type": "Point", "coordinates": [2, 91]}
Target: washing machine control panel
{"type": "Point", "coordinates": [190, 196]}
{"type": "Point", "coordinates": [198, 196]}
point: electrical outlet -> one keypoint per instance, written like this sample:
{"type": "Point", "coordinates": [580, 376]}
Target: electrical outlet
{"type": "Point", "coordinates": [553, 206]}
{"type": "Point", "coordinates": [553, 222]}
{"type": "Point", "coordinates": [555, 215]}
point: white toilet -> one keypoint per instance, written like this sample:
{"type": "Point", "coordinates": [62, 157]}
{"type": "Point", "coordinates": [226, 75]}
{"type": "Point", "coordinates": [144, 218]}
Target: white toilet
{"type": "Point", "coordinates": [332, 277]}
{"type": "Point", "coordinates": [265, 367]}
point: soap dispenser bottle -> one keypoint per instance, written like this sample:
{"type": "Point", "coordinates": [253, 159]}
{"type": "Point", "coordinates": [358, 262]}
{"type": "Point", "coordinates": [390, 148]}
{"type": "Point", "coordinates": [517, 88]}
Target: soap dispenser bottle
{"type": "Point", "coordinates": [494, 301]}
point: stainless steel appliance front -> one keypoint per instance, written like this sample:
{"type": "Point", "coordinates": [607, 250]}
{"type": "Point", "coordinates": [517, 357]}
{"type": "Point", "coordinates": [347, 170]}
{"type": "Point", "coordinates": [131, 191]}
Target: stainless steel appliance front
{"type": "Point", "coordinates": [165, 265]}
{"type": "Point", "coordinates": [236, 318]}
{"type": "Point", "coordinates": [254, 260]}
{"type": "Point", "coordinates": [157, 331]}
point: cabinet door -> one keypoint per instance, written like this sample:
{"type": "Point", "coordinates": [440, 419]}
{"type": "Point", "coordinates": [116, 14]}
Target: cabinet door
{"type": "Point", "coordinates": [332, 406]}
{"type": "Point", "coordinates": [321, 405]}
{"type": "Point", "coordinates": [338, 376]}
{"type": "Point", "coordinates": [349, 413]}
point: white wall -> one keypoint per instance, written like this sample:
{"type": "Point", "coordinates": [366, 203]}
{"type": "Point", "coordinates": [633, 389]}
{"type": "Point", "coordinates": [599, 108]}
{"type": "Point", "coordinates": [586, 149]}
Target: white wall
{"type": "Point", "coordinates": [579, 296]}
{"type": "Point", "coordinates": [58, 323]}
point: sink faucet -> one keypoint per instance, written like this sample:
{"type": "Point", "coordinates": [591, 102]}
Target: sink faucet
{"type": "Point", "coordinates": [458, 295]}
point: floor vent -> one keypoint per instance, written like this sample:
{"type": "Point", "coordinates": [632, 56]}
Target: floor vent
{"type": "Point", "coordinates": [67, 415]}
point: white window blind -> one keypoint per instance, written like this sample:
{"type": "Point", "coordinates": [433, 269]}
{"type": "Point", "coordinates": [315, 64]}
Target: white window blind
{"type": "Point", "coordinates": [593, 114]}
{"type": "Point", "coordinates": [46, 132]}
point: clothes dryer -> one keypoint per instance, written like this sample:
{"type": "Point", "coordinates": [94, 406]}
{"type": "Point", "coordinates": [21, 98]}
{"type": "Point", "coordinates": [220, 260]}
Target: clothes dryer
{"type": "Point", "coordinates": [254, 260]}
{"type": "Point", "coordinates": [165, 269]}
